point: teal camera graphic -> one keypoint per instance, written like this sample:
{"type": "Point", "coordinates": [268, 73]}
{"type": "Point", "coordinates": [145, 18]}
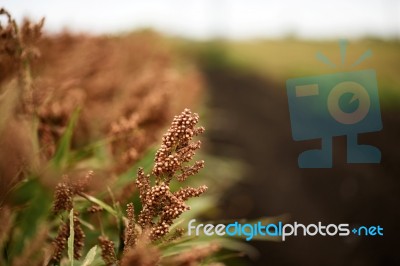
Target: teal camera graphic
{"type": "Point", "coordinates": [339, 104]}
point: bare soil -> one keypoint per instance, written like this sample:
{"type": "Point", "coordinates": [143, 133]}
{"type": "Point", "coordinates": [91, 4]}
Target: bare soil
{"type": "Point", "coordinates": [251, 122]}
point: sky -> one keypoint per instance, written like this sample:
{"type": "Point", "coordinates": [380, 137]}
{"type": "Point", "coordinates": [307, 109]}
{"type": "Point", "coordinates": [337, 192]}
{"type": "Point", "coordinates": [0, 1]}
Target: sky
{"type": "Point", "coordinates": [204, 19]}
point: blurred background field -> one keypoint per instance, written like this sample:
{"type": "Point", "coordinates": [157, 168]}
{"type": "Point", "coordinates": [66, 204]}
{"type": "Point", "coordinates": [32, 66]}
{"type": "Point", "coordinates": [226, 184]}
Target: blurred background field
{"type": "Point", "coordinates": [281, 59]}
{"type": "Point", "coordinates": [246, 82]}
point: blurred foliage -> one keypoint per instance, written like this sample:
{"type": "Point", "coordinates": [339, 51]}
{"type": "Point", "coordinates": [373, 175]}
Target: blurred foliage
{"type": "Point", "coordinates": [282, 59]}
{"type": "Point", "coordinates": [32, 200]}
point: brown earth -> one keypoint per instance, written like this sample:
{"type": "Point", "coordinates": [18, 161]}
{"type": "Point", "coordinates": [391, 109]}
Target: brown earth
{"type": "Point", "coordinates": [251, 122]}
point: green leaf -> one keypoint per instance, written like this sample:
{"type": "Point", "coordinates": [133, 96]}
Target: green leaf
{"type": "Point", "coordinates": [198, 206]}
{"type": "Point", "coordinates": [87, 225]}
{"type": "Point", "coordinates": [90, 256]}
{"type": "Point", "coordinates": [223, 242]}
{"type": "Point", "coordinates": [238, 246]}
{"type": "Point", "coordinates": [102, 204]}
{"type": "Point", "coordinates": [92, 155]}
{"type": "Point", "coordinates": [63, 149]}
{"type": "Point", "coordinates": [71, 238]}
{"type": "Point", "coordinates": [35, 203]}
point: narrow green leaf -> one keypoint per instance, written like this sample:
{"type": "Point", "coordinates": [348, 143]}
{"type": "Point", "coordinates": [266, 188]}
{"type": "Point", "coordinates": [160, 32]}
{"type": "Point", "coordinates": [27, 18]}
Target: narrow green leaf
{"type": "Point", "coordinates": [238, 246]}
{"type": "Point", "coordinates": [87, 224]}
{"type": "Point", "coordinates": [176, 224]}
{"type": "Point", "coordinates": [71, 238]}
{"type": "Point", "coordinates": [35, 202]}
{"type": "Point", "coordinates": [90, 256]}
{"type": "Point", "coordinates": [102, 204]}
{"type": "Point", "coordinates": [63, 147]}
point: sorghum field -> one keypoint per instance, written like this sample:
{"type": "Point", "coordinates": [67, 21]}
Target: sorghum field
{"type": "Point", "coordinates": [100, 155]}
{"type": "Point", "coordinates": [110, 144]}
